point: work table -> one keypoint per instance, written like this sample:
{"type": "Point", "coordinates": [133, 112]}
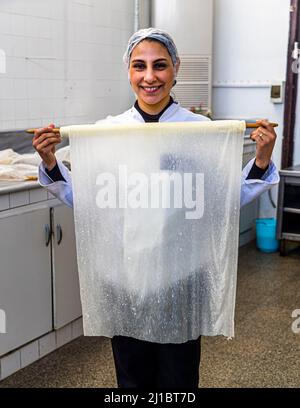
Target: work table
{"type": "Point", "coordinates": [12, 186]}
{"type": "Point", "coordinates": [21, 193]}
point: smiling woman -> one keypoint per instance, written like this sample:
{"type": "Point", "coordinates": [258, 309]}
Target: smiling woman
{"type": "Point", "coordinates": [152, 75]}
{"type": "Point", "coordinates": [152, 61]}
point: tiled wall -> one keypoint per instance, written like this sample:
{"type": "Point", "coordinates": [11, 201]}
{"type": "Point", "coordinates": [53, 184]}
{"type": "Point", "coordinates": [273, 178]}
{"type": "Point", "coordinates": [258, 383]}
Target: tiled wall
{"type": "Point", "coordinates": [33, 351]}
{"type": "Point", "coordinates": [63, 61]}
{"type": "Point", "coordinates": [19, 194]}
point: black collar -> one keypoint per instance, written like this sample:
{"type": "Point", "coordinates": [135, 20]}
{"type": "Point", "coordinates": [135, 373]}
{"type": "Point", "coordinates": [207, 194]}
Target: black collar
{"type": "Point", "coordinates": [152, 118]}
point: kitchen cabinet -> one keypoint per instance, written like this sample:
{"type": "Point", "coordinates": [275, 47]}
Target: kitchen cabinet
{"type": "Point", "coordinates": [39, 285]}
{"type": "Point", "coordinates": [66, 293]}
{"type": "Point", "coordinates": [288, 210]}
{"type": "Point", "coordinates": [25, 275]}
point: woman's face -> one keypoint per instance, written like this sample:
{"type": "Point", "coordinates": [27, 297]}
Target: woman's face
{"type": "Point", "coordinates": [151, 74]}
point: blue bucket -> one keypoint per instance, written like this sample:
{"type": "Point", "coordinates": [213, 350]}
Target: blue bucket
{"type": "Point", "coordinates": [266, 235]}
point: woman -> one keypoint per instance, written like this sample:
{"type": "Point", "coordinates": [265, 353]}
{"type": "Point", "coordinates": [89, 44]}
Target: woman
{"type": "Point", "coordinates": [153, 64]}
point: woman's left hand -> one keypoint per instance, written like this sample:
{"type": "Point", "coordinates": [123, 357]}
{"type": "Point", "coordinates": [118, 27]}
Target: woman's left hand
{"type": "Point", "coordinates": [265, 137]}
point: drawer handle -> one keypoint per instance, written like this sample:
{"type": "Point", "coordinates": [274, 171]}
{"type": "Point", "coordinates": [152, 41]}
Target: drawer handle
{"type": "Point", "coordinates": [47, 234]}
{"type": "Point", "coordinates": [58, 234]}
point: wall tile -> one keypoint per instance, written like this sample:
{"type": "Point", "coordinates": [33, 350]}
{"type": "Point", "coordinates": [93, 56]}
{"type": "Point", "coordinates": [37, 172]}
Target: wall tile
{"type": "Point", "coordinates": [19, 198]}
{"type": "Point", "coordinates": [7, 44]}
{"type": "Point", "coordinates": [6, 6]}
{"type": "Point", "coordinates": [4, 202]}
{"type": "Point", "coordinates": [29, 353]}
{"type": "Point", "coordinates": [7, 125]}
{"type": "Point", "coordinates": [21, 124]}
{"type": "Point", "coordinates": [10, 364]}
{"type": "Point", "coordinates": [5, 23]}
{"type": "Point", "coordinates": [6, 88]}
{"type": "Point", "coordinates": [37, 194]}
{"type": "Point", "coordinates": [47, 344]}
{"type": "Point", "coordinates": [77, 328]}
{"type": "Point", "coordinates": [7, 109]}
{"type": "Point", "coordinates": [64, 335]}
{"type": "Point", "coordinates": [20, 89]}
{"type": "Point", "coordinates": [21, 108]}
{"type": "Point", "coordinates": [18, 25]}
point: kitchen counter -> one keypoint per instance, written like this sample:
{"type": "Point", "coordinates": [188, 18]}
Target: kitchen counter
{"type": "Point", "coordinates": [21, 193]}
{"type": "Point", "coordinates": [12, 186]}
{"type": "Point", "coordinates": [293, 170]}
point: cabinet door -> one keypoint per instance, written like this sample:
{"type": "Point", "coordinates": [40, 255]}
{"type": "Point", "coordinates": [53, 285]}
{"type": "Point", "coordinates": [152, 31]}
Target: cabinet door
{"type": "Point", "coordinates": [25, 277]}
{"type": "Point", "coordinates": [248, 214]}
{"type": "Point", "coordinates": [67, 305]}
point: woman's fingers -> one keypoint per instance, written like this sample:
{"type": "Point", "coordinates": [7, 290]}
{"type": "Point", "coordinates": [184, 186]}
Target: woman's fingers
{"type": "Point", "coordinates": [266, 128]}
{"type": "Point", "coordinates": [263, 134]}
{"type": "Point", "coordinates": [265, 137]}
{"type": "Point", "coordinates": [44, 141]}
{"type": "Point", "coordinates": [41, 144]}
{"type": "Point", "coordinates": [40, 131]}
{"type": "Point", "coordinates": [255, 135]}
{"type": "Point", "coordinates": [266, 125]}
{"type": "Point", "coordinates": [44, 137]}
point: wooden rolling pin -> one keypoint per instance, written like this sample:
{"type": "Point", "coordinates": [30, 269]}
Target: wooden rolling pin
{"type": "Point", "coordinates": [248, 126]}
{"type": "Point", "coordinates": [256, 125]}
{"type": "Point", "coordinates": [55, 130]}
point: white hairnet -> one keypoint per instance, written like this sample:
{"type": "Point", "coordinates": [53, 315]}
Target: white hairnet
{"type": "Point", "coordinates": [155, 34]}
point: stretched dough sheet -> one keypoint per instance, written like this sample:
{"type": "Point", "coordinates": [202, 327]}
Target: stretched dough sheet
{"type": "Point", "coordinates": [156, 216]}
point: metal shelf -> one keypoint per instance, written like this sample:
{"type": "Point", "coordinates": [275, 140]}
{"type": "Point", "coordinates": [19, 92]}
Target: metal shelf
{"type": "Point", "coordinates": [288, 208]}
{"type": "Point", "coordinates": [291, 210]}
{"type": "Point", "coordinates": [290, 236]}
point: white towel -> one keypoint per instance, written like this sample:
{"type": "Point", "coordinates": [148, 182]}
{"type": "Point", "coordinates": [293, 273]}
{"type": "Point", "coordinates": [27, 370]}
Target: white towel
{"type": "Point", "coordinates": [164, 274]}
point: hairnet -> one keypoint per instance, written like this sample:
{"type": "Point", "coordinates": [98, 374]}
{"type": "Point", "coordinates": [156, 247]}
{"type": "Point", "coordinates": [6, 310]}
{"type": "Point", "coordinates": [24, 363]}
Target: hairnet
{"type": "Point", "coordinates": [155, 34]}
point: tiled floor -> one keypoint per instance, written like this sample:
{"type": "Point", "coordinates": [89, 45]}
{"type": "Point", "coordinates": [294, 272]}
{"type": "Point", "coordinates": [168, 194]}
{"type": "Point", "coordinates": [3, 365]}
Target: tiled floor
{"type": "Point", "coordinates": [264, 353]}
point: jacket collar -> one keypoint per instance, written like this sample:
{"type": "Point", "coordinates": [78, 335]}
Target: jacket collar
{"type": "Point", "coordinates": [165, 117]}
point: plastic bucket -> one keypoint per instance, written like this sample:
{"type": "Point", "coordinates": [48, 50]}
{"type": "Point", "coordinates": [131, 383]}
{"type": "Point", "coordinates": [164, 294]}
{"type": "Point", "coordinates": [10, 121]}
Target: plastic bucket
{"type": "Point", "coordinates": [266, 235]}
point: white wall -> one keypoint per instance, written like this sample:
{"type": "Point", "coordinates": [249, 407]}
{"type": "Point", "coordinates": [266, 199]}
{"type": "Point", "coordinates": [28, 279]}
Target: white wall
{"type": "Point", "coordinates": [189, 22]}
{"type": "Point", "coordinates": [64, 61]}
{"type": "Point", "coordinates": [250, 50]}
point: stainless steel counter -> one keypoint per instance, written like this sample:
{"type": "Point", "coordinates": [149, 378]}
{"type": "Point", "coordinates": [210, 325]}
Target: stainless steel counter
{"type": "Point", "coordinates": [15, 194]}
{"type": "Point", "coordinates": [13, 186]}
{"type": "Point", "coordinates": [293, 171]}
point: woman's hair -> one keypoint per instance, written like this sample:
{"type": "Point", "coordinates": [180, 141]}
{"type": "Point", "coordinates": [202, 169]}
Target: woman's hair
{"type": "Point", "coordinates": [153, 34]}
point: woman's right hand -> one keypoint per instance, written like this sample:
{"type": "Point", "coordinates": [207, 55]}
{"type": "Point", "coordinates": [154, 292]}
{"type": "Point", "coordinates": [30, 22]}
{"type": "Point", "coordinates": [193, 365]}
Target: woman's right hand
{"type": "Point", "coordinates": [44, 142]}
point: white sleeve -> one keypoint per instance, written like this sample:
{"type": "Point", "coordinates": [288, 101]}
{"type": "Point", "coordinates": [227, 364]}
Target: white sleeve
{"type": "Point", "coordinates": [60, 189]}
{"type": "Point", "coordinates": [253, 188]}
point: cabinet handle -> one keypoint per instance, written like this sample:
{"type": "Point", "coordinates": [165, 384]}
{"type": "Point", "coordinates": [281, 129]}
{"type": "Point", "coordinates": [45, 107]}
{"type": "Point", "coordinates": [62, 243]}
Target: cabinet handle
{"type": "Point", "coordinates": [58, 234]}
{"type": "Point", "coordinates": [47, 234]}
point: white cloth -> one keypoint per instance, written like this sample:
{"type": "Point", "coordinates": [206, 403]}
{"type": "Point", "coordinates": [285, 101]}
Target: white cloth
{"type": "Point", "coordinates": [20, 167]}
{"type": "Point", "coordinates": [159, 277]}
{"type": "Point", "coordinates": [165, 272]}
